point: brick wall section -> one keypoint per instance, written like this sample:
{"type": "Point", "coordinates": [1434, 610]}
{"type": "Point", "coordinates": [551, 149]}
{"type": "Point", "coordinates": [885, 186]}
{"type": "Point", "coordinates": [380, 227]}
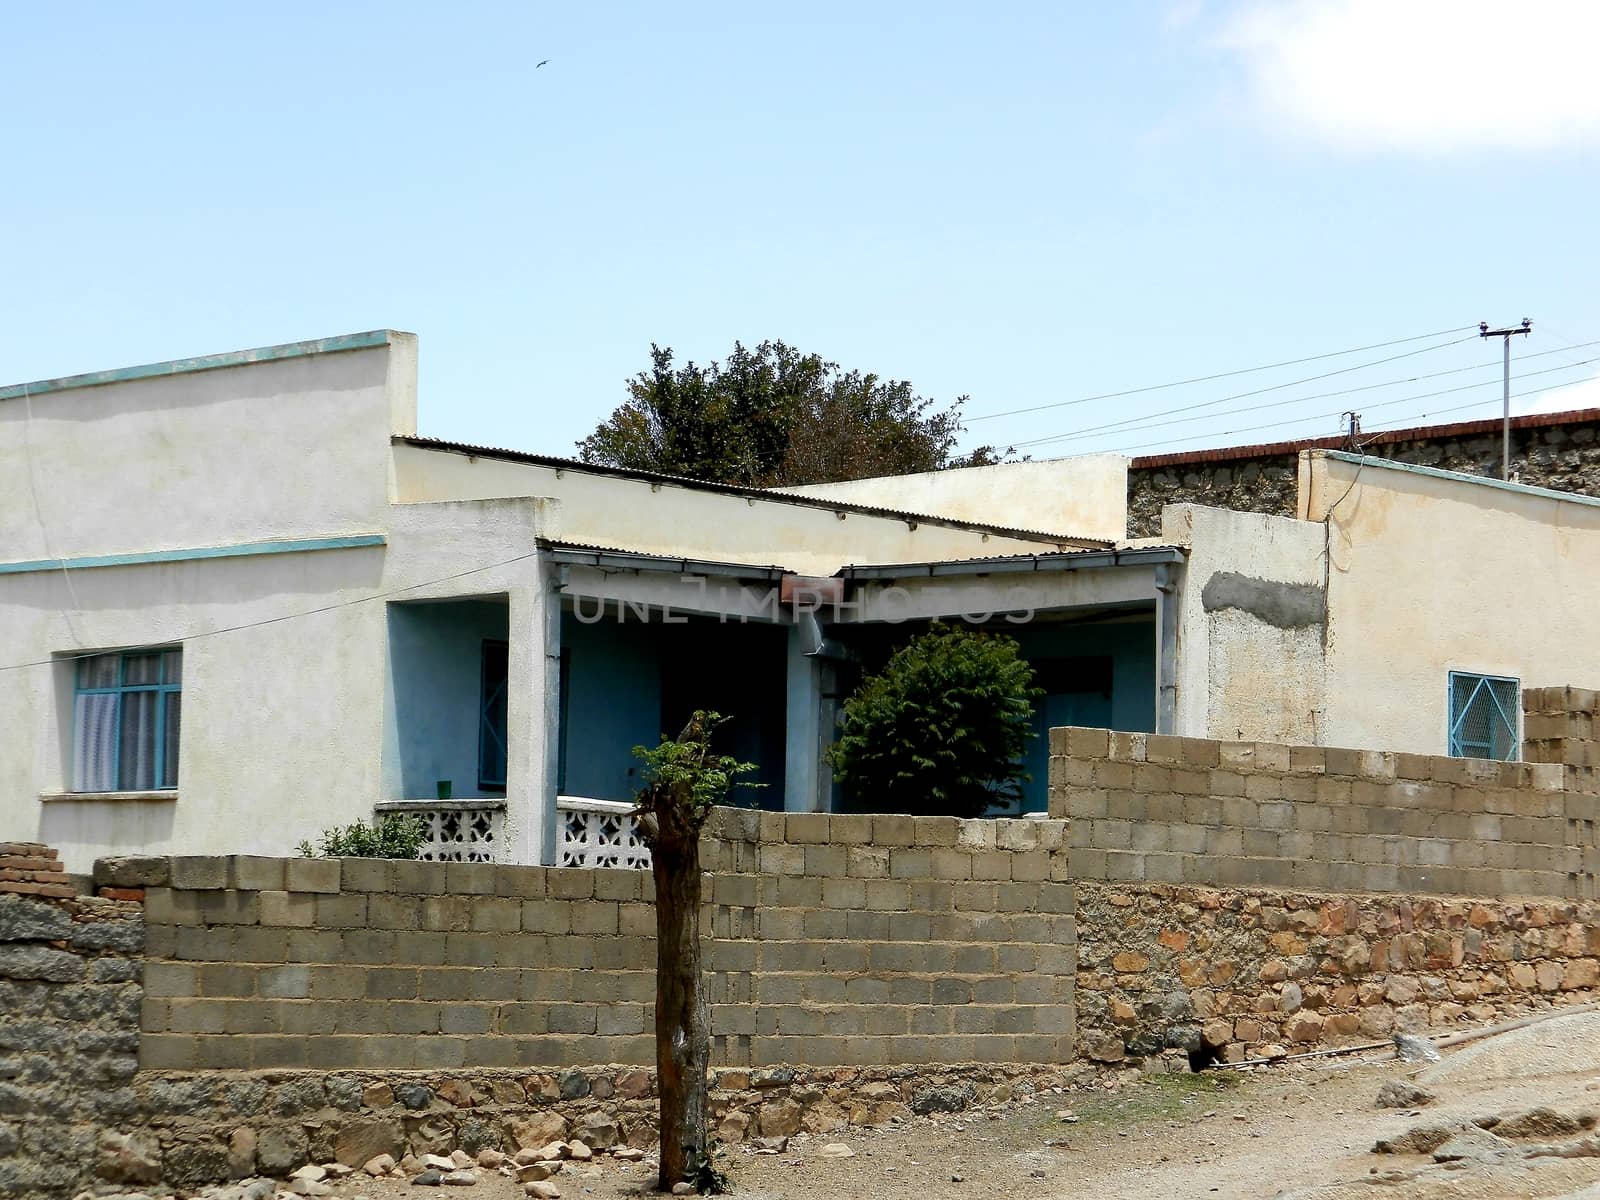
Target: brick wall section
{"type": "Point", "coordinates": [1147, 807]}
{"type": "Point", "coordinates": [1564, 456]}
{"type": "Point", "coordinates": [1250, 973]}
{"type": "Point", "coordinates": [69, 1032]}
{"type": "Point", "coordinates": [33, 869]}
{"type": "Point", "coordinates": [835, 941]}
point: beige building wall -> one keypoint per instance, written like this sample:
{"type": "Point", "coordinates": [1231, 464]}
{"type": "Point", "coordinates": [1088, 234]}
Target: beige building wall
{"type": "Point", "coordinates": [1250, 626]}
{"type": "Point", "coordinates": [660, 517]}
{"type": "Point", "coordinates": [1432, 572]}
{"type": "Point", "coordinates": [1085, 495]}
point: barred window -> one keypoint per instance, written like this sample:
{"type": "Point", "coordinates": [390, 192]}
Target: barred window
{"type": "Point", "coordinates": [1483, 716]}
{"type": "Point", "coordinates": [126, 714]}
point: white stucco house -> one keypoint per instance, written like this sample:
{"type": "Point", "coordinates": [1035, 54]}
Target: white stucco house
{"type": "Point", "coordinates": [242, 600]}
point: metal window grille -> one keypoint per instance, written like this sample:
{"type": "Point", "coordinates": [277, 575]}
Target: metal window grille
{"type": "Point", "coordinates": [127, 710]}
{"type": "Point", "coordinates": [492, 717]}
{"type": "Point", "coordinates": [1483, 716]}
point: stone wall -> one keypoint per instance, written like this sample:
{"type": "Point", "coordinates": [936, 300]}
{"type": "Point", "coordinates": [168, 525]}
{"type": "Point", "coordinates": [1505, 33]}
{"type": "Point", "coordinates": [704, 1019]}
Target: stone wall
{"type": "Point", "coordinates": [1159, 809]}
{"type": "Point", "coordinates": [69, 1026]}
{"type": "Point", "coordinates": [1560, 453]}
{"type": "Point", "coordinates": [206, 1127]}
{"type": "Point", "coordinates": [834, 941]}
{"type": "Point", "coordinates": [1245, 973]}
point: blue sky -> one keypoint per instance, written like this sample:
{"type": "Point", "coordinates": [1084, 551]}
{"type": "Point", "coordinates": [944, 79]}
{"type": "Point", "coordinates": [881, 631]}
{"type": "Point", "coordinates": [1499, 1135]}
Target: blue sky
{"type": "Point", "coordinates": [1024, 203]}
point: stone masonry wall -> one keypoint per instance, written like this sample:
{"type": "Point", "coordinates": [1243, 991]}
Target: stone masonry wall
{"type": "Point", "coordinates": [69, 1026]}
{"type": "Point", "coordinates": [1563, 456]}
{"type": "Point", "coordinates": [1158, 809]}
{"type": "Point", "coordinates": [1246, 973]}
{"type": "Point", "coordinates": [836, 941]}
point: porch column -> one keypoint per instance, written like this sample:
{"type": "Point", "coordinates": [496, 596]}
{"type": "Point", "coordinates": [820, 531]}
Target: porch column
{"type": "Point", "coordinates": [804, 775]}
{"type": "Point", "coordinates": [533, 715]}
{"type": "Point", "coordinates": [1168, 580]}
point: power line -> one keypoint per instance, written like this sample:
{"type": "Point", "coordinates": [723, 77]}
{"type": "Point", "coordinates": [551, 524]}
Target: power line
{"type": "Point", "coordinates": [1278, 387]}
{"type": "Point", "coordinates": [1150, 422]}
{"type": "Point", "coordinates": [1289, 362]}
{"type": "Point", "coordinates": [1401, 422]}
{"type": "Point", "coordinates": [309, 612]}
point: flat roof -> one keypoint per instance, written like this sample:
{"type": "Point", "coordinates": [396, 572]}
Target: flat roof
{"type": "Point", "coordinates": [1414, 433]}
{"type": "Point", "coordinates": [206, 362]}
{"type": "Point", "coordinates": [755, 493]}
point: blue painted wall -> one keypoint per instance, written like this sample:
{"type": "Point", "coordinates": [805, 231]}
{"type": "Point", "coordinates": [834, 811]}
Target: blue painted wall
{"type": "Point", "coordinates": [435, 682]}
{"type": "Point", "coordinates": [626, 682]}
{"type": "Point", "coordinates": [1130, 644]}
{"type": "Point", "coordinates": [611, 702]}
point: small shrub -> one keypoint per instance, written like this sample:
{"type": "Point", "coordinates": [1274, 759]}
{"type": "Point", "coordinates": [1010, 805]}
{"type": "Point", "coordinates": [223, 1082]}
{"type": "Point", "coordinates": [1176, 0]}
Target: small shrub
{"type": "Point", "coordinates": [392, 836]}
{"type": "Point", "coordinates": [942, 728]}
{"type": "Point", "coordinates": [706, 1175]}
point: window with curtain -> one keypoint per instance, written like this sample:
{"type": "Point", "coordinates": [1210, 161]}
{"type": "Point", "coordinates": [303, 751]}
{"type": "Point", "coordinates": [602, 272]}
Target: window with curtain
{"type": "Point", "coordinates": [126, 716]}
{"type": "Point", "coordinates": [1483, 716]}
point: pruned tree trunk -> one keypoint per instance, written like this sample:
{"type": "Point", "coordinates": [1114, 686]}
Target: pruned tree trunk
{"type": "Point", "coordinates": [683, 1032]}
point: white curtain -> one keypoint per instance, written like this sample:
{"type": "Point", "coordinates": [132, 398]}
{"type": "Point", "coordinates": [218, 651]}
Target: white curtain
{"type": "Point", "coordinates": [138, 750]}
{"type": "Point", "coordinates": [94, 767]}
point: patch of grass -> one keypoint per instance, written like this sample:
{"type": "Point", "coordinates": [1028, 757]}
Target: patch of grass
{"type": "Point", "coordinates": [1151, 1098]}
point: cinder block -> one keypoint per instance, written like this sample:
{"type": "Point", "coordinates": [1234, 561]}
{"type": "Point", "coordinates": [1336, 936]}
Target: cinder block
{"type": "Point", "coordinates": [893, 829]}
{"type": "Point", "coordinates": [284, 983]}
{"type": "Point", "coordinates": [866, 862]}
{"type": "Point", "coordinates": [1084, 743]}
{"type": "Point", "coordinates": [419, 878]}
{"type": "Point", "coordinates": [570, 883]}
{"type": "Point", "coordinates": [936, 831]}
{"type": "Point", "coordinates": [909, 863]}
{"type": "Point", "coordinates": [496, 914]}
{"type": "Point", "coordinates": [365, 875]}
{"type": "Point", "coordinates": [850, 829]}
{"type": "Point", "coordinates": [254, 873]}
{"type": "Point", "coordinates": [521, 883]}
{"type": "Point", "coordinates": [470, 879]}
{"type": "Point", "coordinates": [343, 911]}
{"type": "Point", "coordinates": [312, 875]}
{"type": "Point", "coordinates": [385, 911]}
{"type": "Point", "coordinates": [193, 872]}
{"type": "Point", "coordinates": [826, 861]}
{"type": "Point", "coordinates": [168, 1052]}
{"type": "Point", "coordinates": [806, 828]}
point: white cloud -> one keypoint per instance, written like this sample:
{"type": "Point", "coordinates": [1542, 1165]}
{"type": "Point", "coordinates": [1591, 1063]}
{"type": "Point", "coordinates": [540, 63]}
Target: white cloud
{"type": "Point", "coordinates": [1432, 75]}
{"type": "Point", "coordinates": [1583, 394]}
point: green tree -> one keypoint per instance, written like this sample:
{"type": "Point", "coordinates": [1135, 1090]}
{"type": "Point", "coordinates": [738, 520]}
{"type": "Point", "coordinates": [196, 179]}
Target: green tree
{"type": "Point", "coordinates": [683, 781]}
{"type": "Point", "coordinates": [772, 416]}
{"type": "Point", "coordinates": [942, 728]}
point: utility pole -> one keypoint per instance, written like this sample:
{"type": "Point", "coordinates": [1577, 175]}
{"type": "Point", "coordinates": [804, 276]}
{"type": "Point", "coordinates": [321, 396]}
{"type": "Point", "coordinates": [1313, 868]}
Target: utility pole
{"type": "Point", "coordinates": [1505, 335]}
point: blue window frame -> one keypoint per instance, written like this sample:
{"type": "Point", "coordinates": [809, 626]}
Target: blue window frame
{"type": "Point", "coordinates": [127, 711]}
{"type": "Point", "coordinates": [492, 717]}
{"type": "Point", "coordinates": [1483, 716]}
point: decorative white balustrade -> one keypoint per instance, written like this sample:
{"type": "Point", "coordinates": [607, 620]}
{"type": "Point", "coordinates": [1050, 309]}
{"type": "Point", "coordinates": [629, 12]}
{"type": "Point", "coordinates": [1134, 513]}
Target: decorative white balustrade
{"type": "Point", "coordinates": [599, 833]}
{"type": "Point", "coordinates": [458, 830]}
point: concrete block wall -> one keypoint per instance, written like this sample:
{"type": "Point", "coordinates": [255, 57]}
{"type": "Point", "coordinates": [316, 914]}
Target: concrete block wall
{"type": "Point", "coordinates": [1559, 726]}
{"type": "Point", "coordinates": [834, 941]}
{"type": "Point", "coordinates": [1159, 809]}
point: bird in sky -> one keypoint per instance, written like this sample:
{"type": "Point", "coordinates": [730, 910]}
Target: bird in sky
{"type": "Point", "coordinates": [540, 63]}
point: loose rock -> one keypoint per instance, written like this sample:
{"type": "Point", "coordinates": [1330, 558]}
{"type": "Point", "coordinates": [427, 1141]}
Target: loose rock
{"type": "Point", "coordinates": [1401, 1093]}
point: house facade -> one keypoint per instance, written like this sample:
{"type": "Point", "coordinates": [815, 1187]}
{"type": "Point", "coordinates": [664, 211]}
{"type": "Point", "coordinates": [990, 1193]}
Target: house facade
{"type": "Point", "coordinates": [242, 601]}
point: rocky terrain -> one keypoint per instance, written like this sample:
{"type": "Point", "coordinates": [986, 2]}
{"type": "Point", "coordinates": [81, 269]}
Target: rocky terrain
{"type": "Point", "coordinates": [1517, 1115]}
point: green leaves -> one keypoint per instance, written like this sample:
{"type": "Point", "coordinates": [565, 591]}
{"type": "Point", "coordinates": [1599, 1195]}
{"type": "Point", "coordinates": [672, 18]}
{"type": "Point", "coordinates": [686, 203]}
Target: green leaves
{"type": "Point", "coordinates": [942, 728]}
{"type": "Point", "coordinates": [392, 836]}
{"type": "Point", "coordinates": [683, 772]}
{"type": "Point", "coordinates": [772, 416]}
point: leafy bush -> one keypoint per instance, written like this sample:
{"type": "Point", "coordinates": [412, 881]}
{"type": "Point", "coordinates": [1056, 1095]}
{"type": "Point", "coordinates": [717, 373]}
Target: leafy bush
{"type": "Point", "coordinates": [392, 836]}
{"type": "Point", "coordinates": [684, 768]}
{"type": "Point", "coordinates": [942, 728]}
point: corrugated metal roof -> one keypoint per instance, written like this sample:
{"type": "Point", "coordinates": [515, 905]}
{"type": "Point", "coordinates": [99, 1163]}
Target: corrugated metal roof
{"type": "Point", "coordinates": [1576, 416]}
{"type": "Point", "coordinates": [866, 510]}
